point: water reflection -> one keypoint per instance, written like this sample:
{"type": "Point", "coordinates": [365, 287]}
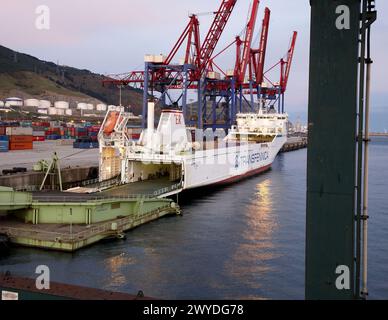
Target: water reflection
{"type": "Point", "coordinates": [116, 265]}
{"type": "Point", "coordinates": [256, 248]}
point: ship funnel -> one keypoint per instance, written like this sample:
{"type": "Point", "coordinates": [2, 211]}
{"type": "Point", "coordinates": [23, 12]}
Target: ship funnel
{"type": "Point", "coordinates": [150, 120]}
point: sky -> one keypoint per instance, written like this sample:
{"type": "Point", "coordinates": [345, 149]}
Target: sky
{"type": "Point", "coordinates": [113, 36]}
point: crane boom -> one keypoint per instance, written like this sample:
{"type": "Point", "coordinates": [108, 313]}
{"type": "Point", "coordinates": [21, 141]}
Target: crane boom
{"type": "Point", "coordinates": [191, 30]}
{"type": "Point", "coordinates": [261, 53]}
{"type": "Point", "coordinates": [288, 63]}
{"type": "Point", "coordinates": [215, 32]}
{"type": "Point", "coordinates": [246, 54]}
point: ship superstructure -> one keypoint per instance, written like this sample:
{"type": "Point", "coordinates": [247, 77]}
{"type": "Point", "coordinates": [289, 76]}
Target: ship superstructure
{"type": "Point", "coordinates": [190, 157]}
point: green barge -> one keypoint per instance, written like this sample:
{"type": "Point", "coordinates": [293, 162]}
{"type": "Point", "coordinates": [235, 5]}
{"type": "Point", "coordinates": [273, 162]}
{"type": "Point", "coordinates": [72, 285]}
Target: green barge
{"type": "Point", "coordinates": [71, 222]}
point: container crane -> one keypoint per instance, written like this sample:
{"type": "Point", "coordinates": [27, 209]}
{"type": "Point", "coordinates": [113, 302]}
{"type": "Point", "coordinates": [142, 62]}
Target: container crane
{"type": "Point", "coordinates": [213, 36]}
{"type": "Point", "coordinates": [243, 61]}
{"type": "Point", "coordinates": [225, 92]}
{"type": "Point", "coordinates": [285, 66]}
{"type": "Point", "coordinates": [258, 56]}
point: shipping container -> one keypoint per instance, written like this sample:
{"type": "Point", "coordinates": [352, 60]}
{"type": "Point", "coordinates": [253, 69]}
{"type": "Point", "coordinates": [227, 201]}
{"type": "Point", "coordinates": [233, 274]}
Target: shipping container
{"type": "Point", "coordinates": [39, 138]}
{"type": "Point", "coordinates": [20, 139]}
{"type": "Point", "coordinates": [4, 146]}
{"type": "Point", "coordinates": [4, 138]}
{"type": "Point", "coordinates": [20, 146]}
{"type": "Point", "coordinates": [85, 145]}
{"type": "Point", "coordinates": [53, 137]}
{"type": "Point", "coordinates": [18, 131]}
{"type": "Point", "coordinates": [38, 133]}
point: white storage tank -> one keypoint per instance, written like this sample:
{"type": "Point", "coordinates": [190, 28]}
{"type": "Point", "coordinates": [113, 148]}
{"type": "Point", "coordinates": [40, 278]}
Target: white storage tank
{"type": "Point", "coordinates": [34, 103]}
{"type": "Point", "coordinates": [90, 106]}
{"type": "Point", "coordinates": [60, 112]}
{"type": "Point", "coordinates": [101, 107]}
{"type": "Point", "coordinates": [52, 111]}
{"type": "Point", "coordinates": [82, 106]}
{"type": "Point", "coordinates": [44, 104]}
{"type": "Point", "coordinates": [42, 111]}
{"type": "Point", "coordinates": [14, 102]}
{"type": "Point", "coordinates": [69, 112]}
{"type": "Point", "coordinates": [61, 105]}
{"type": "Point", "coordinates": [1, 104]}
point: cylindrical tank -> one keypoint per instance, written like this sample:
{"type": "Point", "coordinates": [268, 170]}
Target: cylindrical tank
{"type": "Point", "coordinates": [61, 105]}
{"type": "Point", "coordinates": [52, 111]}
{"type": "Point", "coordinates": [31, 103]}
{"type": "Point", "coordinates": [82, 106]}
{"type": "Point", "coordinates": [44, 104]}
{"type": "Point", "coordinates": [90, 106]}
{"type": "Point", "coordinates": [101, 107]}
{"type": "Point", "coordinates": [1, 104]}
{"type": "Point", "coordinates": [60, 112]}
{"type": "Point", "coordinates": [14, 102]}
{"type": "Point", "coordinates": [69, 112]}
{"type": "Point", "coordinates": [42, 111]}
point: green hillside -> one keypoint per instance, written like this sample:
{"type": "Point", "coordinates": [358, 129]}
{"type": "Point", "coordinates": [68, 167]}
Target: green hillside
{"type": "Point", "coordinates": [25, 76]}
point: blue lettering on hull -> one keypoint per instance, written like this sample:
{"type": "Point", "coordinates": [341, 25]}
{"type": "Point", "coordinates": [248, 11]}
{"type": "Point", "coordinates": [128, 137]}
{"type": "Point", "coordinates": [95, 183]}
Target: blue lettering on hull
{"type": "Point", "coordinates": [251, 159]}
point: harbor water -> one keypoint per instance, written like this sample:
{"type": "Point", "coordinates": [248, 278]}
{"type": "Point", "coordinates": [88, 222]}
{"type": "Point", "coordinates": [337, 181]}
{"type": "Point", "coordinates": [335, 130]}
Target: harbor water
{"type": "Point", "coordinates": [243, 241]}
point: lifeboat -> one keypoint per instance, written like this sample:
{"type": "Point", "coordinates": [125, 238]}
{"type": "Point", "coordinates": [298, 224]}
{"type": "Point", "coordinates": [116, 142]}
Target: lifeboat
{"type": "Point", "coordinates": [111, 122]}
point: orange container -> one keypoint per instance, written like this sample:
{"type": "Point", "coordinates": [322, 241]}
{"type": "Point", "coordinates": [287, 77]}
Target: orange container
{"type": "Point", "coordinates": [20, 146]}
{"type": "Point", "coordinates": [20, 139]}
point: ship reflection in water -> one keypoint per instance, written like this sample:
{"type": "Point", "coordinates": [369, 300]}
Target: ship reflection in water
{"type": "Point", "coordinates": [250, 259]}
{"type": "Point", "coordinates": [242, 241]}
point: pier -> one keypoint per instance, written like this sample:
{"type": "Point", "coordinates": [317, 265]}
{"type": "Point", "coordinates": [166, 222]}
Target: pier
{"type": "Point", "coordinates": [294, 143]}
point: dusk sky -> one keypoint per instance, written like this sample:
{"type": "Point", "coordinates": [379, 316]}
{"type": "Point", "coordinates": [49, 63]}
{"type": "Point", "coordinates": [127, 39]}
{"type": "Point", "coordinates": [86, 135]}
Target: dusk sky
{"type": "Point", "coordinates": [113, 36]}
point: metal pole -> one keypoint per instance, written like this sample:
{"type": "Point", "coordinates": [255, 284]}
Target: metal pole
{"type": "Point", "coordinates": [59, 171]}
{"type": "Point", "coordinates": [120, 95]}
{"type": "Point", "coordinates": [364, 290]}
{"type": "Point", "coordinates": [360, 143]}
{"type": "Point", "coordinates": [71, 223]}
{"type": "Point", "coordinates": [365, 217]}
{"type": "Point", "coordinates": [46, 175]}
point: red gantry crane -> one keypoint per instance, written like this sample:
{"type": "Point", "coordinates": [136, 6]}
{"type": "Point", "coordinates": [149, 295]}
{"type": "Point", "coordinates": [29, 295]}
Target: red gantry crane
{"type": "Point", "coordinates": [258, 56]}
{"type": "Point", "coordinates": [192, 73]}
{"type": "Point", "coordinates": [243, 60]}
{"type": "Point", "coordinates": [285, 66]}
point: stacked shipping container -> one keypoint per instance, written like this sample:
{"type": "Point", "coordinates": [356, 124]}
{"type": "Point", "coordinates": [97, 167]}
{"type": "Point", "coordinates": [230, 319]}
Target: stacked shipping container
{"type": "Point", "coordinates": [20, 138]}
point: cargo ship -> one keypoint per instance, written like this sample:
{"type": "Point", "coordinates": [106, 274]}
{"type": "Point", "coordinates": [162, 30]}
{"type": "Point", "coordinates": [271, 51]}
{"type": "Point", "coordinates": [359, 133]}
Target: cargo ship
{"type": "Point", "coordinates": [190, 157]}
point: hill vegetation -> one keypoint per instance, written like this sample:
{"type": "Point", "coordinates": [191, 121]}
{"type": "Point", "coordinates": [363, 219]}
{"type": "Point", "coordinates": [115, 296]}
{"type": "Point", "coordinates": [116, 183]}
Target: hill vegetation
{"type": "Point", "coordinates": [24, 76]}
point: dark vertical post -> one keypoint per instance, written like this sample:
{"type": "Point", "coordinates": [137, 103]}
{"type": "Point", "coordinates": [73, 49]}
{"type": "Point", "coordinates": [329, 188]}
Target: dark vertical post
{"type": "Point", "coordinates": [201, 86]}
{"type": "Point", "coordinates": [330, 235]}
{"type": "Point", "coordinates": [233, 97]}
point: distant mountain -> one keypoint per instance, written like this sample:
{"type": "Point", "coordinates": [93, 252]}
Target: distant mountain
{"type": "Point", "coordinates": [24, 76]}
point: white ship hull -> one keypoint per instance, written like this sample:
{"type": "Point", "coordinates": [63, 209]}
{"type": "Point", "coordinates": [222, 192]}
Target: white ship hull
{"type": "Point", "coordinates": [228, 165]}
{"type": "Point", "coordinates": [171, 152]}
{"type": "Point", "coordinates": [208, 167]}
